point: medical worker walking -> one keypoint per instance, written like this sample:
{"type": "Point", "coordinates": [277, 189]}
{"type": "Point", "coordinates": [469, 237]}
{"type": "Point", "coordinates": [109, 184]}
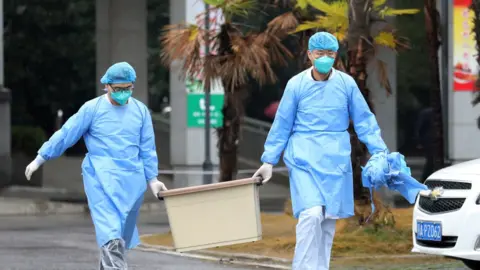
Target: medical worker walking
{"type": "Point", "coordinates": [311, 126]}
{"type": "Point", "coordinates": [121, 159]}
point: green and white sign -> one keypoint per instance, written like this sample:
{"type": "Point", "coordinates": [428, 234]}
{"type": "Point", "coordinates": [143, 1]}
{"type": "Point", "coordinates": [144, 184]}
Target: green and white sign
{"type": "Point", "coordinates": [196, 104]}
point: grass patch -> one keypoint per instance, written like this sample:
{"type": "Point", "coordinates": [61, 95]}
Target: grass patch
{"type": "Point", "coordinates": [350, 239]}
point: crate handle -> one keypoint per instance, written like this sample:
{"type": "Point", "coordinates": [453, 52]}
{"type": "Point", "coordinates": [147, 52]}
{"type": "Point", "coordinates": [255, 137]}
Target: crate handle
{"type": "Point", "coordinates": [259, 180]}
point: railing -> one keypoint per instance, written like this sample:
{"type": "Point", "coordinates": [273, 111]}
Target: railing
{"type": "Point", "coordinates": [256, 126]}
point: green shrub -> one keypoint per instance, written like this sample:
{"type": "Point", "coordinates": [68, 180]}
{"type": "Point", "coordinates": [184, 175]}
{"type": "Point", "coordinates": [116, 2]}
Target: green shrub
{"type": "Point", "coordinates": [27, 139]}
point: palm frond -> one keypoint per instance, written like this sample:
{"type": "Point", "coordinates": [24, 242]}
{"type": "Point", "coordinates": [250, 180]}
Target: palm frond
{"type": "Point", "coordinates": [336, 26]}
{"type": "Point", "coordinates": [386, 39]}
{"type": "Point", "coordinates": [301, 4]}
{"type": "Point", "coordinates": [217, 66]}
{"type": "Point", "coordinates": [305, 26]}
{"type": "Point", "coordinates": [250, 55]}
{"type": "Point", "coordinates": [336, 9]}
{"type": "Point", "coordinates": [241, 8]}
{"type": "Point", "coordinates": [285, 22]}
{"type": "Point", "coordinates": [254, 57]}
{"type": "Point", "coordinates": [214, 3]}
{"type": "Point", "coordinates": [334, 21]}
{"type": "Point", "coordinates": [383, 76]}
{"type": "Point", "coordinates": [391, 12]}
{"type": "Point", "coordinates": [278, 52]}
{"type": "Point", "coordinates": [182, 42]}
{"type": "Point", "coordinates": [402, 43]}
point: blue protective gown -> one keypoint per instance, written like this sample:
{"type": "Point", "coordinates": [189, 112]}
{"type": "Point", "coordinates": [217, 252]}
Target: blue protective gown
{"type": "Point", "coordinates": [121, 159]}
{"type": "Point", "coordinates": [311, 126]}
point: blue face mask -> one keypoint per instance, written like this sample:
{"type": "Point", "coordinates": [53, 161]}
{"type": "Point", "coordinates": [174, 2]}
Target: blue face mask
{"type": "Point", "coordinates": [323, 64]}
{"type": "Point", "coordinates": [121, 97]}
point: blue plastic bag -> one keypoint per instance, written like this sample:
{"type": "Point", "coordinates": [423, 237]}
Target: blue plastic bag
{"type": "Point", "coordinates": [391, 170]}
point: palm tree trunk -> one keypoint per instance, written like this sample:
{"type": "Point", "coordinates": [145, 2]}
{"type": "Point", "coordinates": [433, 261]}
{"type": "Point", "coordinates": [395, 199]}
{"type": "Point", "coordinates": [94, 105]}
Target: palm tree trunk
{"type": "Point", "coordinates": [229, 134]}
{"type": "Point", "coordinates": [432, 26]}
{"type": "Point", "coordinates": [233, 112]}
{"type": "Point", "coordinates": [357, 68]}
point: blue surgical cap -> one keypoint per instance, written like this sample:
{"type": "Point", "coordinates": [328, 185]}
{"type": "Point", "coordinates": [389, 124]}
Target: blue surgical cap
{"type": "Point", "coordinates": [121, 72]}
{"type": "Point", "coordinates": [323, 41]}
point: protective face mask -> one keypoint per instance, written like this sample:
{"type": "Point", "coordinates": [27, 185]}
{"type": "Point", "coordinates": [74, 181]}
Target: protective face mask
{"type": "Point", "coordinates": [121, 97]}
{"type": "Point", "coordinates": [323, 64]}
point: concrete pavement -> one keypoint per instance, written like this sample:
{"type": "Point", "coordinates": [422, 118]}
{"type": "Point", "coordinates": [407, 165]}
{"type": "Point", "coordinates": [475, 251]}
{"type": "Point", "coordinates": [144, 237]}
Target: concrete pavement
{"type": "Point", "coordinates": [67, 242]}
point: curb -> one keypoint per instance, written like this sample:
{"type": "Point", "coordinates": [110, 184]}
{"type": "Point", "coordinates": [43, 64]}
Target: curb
{"type": "Point", "coordinates": [222, 257]}
{"type": "Point", "coordinates": [19, 207]}
{"type": "Point", "coordinates": [258, 260]}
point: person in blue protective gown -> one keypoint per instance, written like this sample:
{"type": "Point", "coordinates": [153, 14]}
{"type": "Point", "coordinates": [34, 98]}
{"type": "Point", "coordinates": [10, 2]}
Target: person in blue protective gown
{"type": "Point", "coordinates": [311, 127]}
{"type": "Point", "coordinates": [121, 159]}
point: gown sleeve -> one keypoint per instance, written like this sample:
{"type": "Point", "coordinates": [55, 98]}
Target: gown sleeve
{"type": "Point", "coordinates": [282, 126]}
{"type": "Point", "coordinates": [364, 121]}
{"type": "Point", "coordinates": [69, 134]}
{"type": "Point", "coordinates": [148, 151]}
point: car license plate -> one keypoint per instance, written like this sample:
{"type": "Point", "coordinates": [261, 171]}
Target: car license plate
{"type": "Point", "coordinates": [429, 231]}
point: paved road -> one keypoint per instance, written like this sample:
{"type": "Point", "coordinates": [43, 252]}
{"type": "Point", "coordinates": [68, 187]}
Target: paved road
{"type": "Point", "coordinates": [67, 243]}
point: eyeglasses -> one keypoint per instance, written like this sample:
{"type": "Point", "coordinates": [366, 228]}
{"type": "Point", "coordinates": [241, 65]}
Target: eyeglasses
{"type": "Point", "coordinates": [120, 89]}
{"type": "Point", "coordinates": [321, 53]}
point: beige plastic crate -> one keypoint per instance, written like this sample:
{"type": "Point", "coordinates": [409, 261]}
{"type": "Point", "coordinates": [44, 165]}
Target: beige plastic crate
{"type": "Point", "coordinates": [214, 215]}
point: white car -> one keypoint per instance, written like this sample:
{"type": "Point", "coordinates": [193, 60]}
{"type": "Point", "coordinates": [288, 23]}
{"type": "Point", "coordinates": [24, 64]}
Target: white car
{"type": "Point", "coordinates": [446, 219]}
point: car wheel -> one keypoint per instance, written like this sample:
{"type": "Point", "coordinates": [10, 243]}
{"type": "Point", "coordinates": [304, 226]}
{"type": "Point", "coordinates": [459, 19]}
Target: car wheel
{"type": "Point", "coordinates": [474, 265]}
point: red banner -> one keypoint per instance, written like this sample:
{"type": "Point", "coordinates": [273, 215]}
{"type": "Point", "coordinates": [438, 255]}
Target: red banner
{"type": "Point", "coordinates": [465, 69]}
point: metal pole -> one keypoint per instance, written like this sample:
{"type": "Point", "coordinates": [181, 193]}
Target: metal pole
{"type": "Point", "coordinates": [207, 163]}
{"type": "Point", "coordinates": [59, 120]}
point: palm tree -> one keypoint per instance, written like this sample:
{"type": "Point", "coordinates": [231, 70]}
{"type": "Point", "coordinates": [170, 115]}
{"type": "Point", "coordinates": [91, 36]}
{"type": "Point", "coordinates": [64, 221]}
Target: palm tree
{"type": "Point", "coordinates": [239, 57]}
{"type": "Point", "coordinates": [360, 26]}
{"type": "Point", "coordinates": [432, 23]}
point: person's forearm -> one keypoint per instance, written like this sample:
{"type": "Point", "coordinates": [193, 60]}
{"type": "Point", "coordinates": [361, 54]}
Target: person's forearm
{"type": "Point", "coordinates": [40, 160]}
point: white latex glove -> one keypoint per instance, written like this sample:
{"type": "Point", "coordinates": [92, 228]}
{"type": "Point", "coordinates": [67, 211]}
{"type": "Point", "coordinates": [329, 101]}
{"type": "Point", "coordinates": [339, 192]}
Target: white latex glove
{"type": "Point", "coordinates": [33, 166]}
{"type": "Point", "coordinates": [265, 171]}
{"type": "Point", "coordinates": [156, 186]}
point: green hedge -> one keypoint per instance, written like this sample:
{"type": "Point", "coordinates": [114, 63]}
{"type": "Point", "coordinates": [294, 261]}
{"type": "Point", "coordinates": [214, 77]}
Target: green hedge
{"type": "Point", "coordinates": [27, 139]}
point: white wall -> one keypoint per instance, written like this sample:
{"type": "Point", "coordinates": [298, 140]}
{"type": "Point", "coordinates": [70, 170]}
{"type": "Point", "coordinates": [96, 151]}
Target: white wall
{"type": "Point", "coordinates": [385, 105]}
